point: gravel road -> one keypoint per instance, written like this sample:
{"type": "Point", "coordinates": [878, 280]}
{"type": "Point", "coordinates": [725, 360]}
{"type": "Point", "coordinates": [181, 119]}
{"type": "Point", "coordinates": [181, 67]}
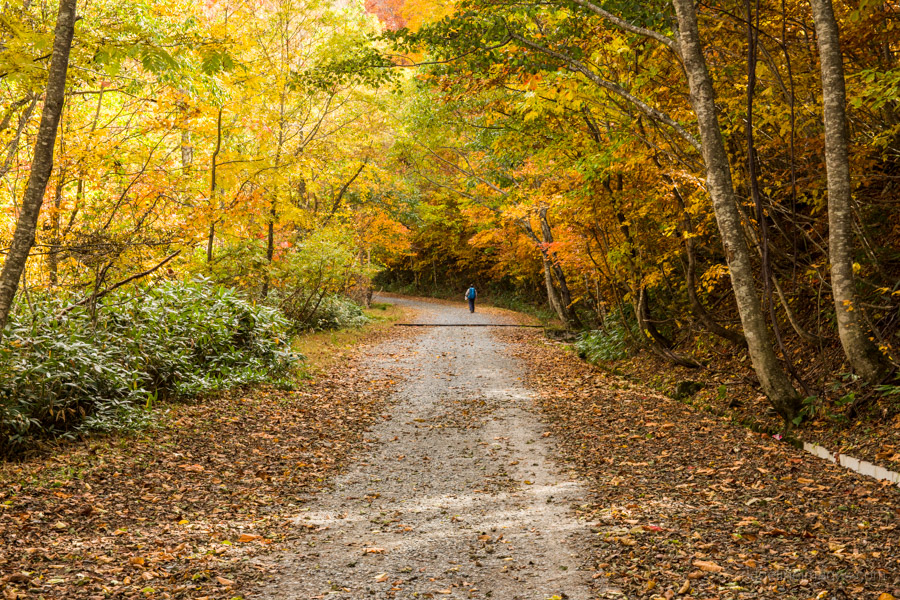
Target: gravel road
{"type": "Point", "coordinates": [459, 496]}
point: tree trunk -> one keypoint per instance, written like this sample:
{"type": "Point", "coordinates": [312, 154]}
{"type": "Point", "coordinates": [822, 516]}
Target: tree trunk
{"type": "Point", "coordinates": [273, 209]}
{"type": "Point", "coordinates": [552, 296]}
{"type": "Point", "coordinates": [690, 262]}
{"type": "Point", "coordinates": [13, 145]}
{"type": "Point", "coordinates": [42, 165]}
{"type": "Point", "coordinates": [270, 249]}
{"type": "Point", "coordinates": [213, 190]}
{"type": "Point", "coordinates": [690, 269]}
{"type": "Point", "coordinates": [651, 337]}
{"type": "Point", "coordinates": [861, 352]}
{"type": "Point", "coordinates": [55, 232]}
{"type": "Point", "coordinates": [772, 377]}
{"type": "Point", "coordinates": [658, 344]}
{"type": "Point", "coordinates": [187, 151]}
{"type": "Point", "coordinates": [565, 296]}
{"type": "Point", "coordinates": [557, 303]}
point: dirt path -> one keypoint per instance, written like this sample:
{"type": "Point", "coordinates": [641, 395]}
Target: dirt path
{"type": "Point", "coordinates": [459, 496]}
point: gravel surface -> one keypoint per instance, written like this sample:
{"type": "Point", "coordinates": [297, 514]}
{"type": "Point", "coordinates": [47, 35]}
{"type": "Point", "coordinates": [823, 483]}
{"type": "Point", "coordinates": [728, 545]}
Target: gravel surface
{"type": "Point", "coordinates": [459, 496]}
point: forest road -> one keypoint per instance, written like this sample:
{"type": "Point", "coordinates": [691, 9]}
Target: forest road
{"type": "Point", "coordinates": [459, 496]}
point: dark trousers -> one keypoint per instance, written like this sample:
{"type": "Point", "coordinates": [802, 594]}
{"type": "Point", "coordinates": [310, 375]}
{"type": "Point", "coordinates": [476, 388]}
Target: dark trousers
{"type": "Point", "coordinates": [471, 304]}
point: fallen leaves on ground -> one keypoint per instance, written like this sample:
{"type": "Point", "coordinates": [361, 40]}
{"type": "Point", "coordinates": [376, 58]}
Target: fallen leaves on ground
{"type": "Point", "coordinates": [689, 505]}
{"type": "Point", "coordinates": [730, 388]}
{"type": "Point", "coordinates": [180, 510]}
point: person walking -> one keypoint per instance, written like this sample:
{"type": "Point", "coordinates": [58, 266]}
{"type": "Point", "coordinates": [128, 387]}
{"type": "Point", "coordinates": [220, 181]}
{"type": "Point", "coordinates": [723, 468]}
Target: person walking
{"type": "Point", "coordinates": [470, 296]}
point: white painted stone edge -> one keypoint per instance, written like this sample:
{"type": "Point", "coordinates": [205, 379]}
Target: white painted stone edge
{"type": "Point", "coordinates": [863, 467]}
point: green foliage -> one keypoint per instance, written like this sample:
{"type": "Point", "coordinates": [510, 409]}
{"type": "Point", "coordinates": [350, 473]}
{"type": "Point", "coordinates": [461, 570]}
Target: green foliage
{"type": "Point", "coordinates": [62, 373]}
{"type": "Point", "coordinates": [337, 312]}
{"type": "Point", "coordinates": [815, 407]}
{"type": "Point", "coordinates": [310, 284]}
{"type": "Point", "coordinates": [607, 344]}
{"type": "Point", "coordinates": [888, 390]}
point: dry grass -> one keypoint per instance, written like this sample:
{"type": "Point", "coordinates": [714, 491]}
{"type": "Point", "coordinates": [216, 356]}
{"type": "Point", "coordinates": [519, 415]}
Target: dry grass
{"type": "Point", "coordinates": [325, 349]}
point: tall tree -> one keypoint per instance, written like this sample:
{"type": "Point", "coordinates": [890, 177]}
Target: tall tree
{"type": "Point", "coordinates": [864, 357]}
{"type": "Point", "coordinates": [720, 187]}
{"type": "Point", "coordinates": [772, 377]}
{"type": "Point", "coordinates": [42, 165]}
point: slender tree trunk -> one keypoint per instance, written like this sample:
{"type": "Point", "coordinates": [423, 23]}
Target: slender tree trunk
{"type": "Point", "coordinates": [651, 337]}
{"type": "Point", "coordinates": [370, 291]}
{"type": "Point", "coordinates": [187, 148]}
{"type": "Point", "coordinates": [187, 151]}
{"type": "Point", "coordinates": [79, 187]}
{"type": "Point", "coordinates": [270, 249]}
{"type": "Point", "coordinates": [663, 350]}
{"type": "Point", "coordinates": [213, 190]}
{"type": "Point", "coordinates": [690, 269]}
{"type": "Point", "coordinates": [13, 145]}
{"type": "Point", "coordinates": [552, 296]}
{"type": "Point", "coordinates": [772, 377]}
{"type": "Point", "coordinates": [56, 232]}
{"type": "Point", "coordinates": [690, 263]}
{"type": "Point", "coordinates": [55, 227]}
{"type": "Point", "coordinates": [565, 296]}
{"type": "Point", "coordinates": [752, 11]}
{"type": "Point", "coordinates": [42, 165]}
{"type": "Point", "coordinates": [273, 210]}
{"type": "Point", "coordinates": [861, 352]}
{"type": "Point", "coordinates": [651, 334]}
{"type": "Point", "coordinates": [210, 240]}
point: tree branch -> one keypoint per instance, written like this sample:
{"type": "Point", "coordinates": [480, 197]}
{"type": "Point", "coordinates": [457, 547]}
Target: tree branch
{"type": "Point", "coordinates": [618, 90]}
{"type": "Point", "coordinates": [125, 281]}
{"type": "Point", "coordinates": [623, 24]}
{"type": "Point", "coordinates": [340, 196]}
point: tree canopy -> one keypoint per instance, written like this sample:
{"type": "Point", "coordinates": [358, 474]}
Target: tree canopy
{"type": "Point", "coordinates": [708, 179]}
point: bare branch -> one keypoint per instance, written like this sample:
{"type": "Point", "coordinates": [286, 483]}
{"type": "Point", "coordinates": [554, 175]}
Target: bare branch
{"type": "Point", "coordinates": [116, 286]}
{"type": "Point", "coordinates": [340, 196]}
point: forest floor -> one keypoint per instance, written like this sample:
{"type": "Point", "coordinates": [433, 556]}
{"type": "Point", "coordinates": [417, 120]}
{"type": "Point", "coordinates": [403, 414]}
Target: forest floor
{"type": "Point", "coordinates": [444, 462]}
{"type": "Point", "coordinates": [729, 388]}
{"type": "Point", "coordinates": [688, 504]}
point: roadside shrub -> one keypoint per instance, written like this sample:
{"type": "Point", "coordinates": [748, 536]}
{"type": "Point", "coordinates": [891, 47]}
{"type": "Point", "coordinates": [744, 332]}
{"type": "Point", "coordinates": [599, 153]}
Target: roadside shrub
{"type": "Point", "coordinates": [63, 372]}
{"type": "Point", "coordinates": [607, 344]}
{"type": "Point", "coordinates": [335, 312]}
{"type": "Point", "coordinates": [317, 310]}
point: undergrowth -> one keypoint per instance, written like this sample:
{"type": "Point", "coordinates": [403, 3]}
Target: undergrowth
{"type": "Point", "coordinates": [337, 312]}
{"type": "Point", "coordinates": [66, 370]}
{"type": "Point", "coordinates": [608, 344]}
{"type": "Point", "coordinates": [512, 301]}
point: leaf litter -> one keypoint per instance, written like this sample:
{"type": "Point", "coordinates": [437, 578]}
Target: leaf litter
{"type": "Point", "coordinates": [688, 505]}
{"type": "Point", "coordinates": [685, 504]}
{"type": "Point", "coordinates": [179, 510]}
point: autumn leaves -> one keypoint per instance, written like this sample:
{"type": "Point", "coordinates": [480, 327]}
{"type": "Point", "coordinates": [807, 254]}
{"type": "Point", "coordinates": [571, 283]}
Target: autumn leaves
{"type": "Point", "coordinates": [605, 156]}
